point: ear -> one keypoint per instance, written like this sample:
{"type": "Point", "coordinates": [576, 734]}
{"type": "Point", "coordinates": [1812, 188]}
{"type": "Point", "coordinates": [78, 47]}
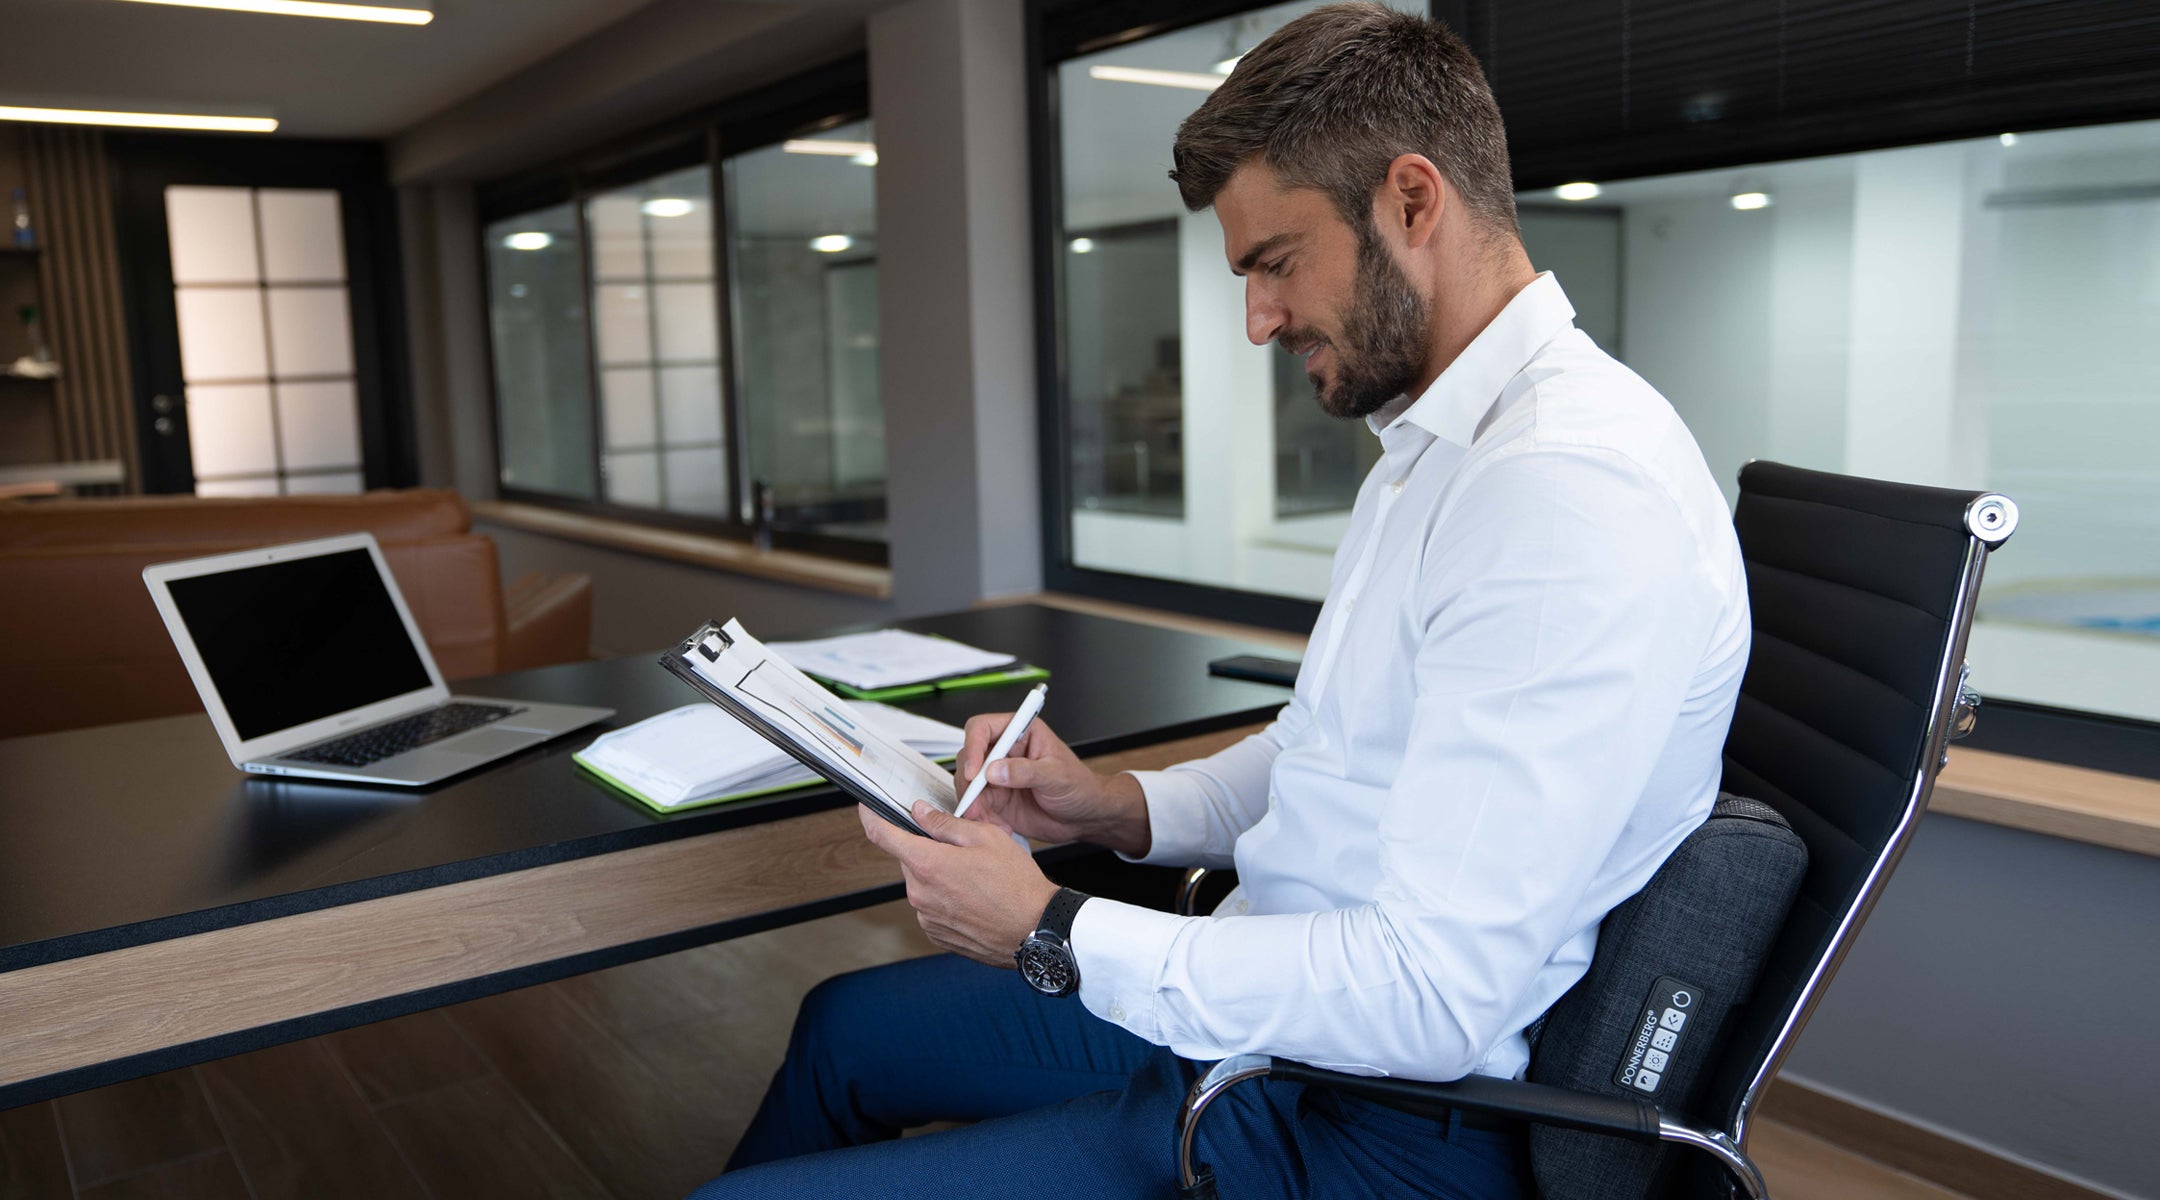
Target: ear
{"type": "Point", "coordinates": [1412, 198]}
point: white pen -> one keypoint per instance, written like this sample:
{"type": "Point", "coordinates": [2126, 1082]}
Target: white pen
{"type": "Point", "coordinates": [1021, 720]}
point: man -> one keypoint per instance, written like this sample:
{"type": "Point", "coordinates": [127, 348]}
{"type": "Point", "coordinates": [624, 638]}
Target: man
{"type": "Point", "coordinates": [1511, 711]}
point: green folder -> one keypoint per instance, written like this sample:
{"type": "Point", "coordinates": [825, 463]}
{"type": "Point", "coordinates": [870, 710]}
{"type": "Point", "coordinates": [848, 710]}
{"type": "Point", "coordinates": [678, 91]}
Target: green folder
{"type": "Point", "coordinates": [1016, 673]}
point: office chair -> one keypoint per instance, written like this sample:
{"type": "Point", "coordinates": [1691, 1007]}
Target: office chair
{"type": "Point", "coordinates": [1862, 594]}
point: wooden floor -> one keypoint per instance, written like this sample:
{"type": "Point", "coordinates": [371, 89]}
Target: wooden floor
{"type": "Point", "coordinates": [632, 1083]}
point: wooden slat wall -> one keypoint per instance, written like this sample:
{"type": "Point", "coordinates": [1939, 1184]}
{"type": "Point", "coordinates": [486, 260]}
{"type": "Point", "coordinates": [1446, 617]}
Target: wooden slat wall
{"type": "Point", "coordinates": [71, 195]}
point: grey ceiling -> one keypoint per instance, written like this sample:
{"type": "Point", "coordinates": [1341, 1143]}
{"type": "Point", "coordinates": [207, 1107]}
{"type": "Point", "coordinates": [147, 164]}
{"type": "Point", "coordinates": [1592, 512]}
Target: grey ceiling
{"type": "Point", "coordinates": [320, 78]}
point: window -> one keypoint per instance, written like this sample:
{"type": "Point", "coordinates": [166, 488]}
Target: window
{"type": "Point", "coordinates": [1191, 455]}
{"type": "Point", "coordinates": [687, 335]}
{"type": "Point", "coordinates": [1981, 313]}
{"type": "Point", "coordinates": [266, 339]}
{"type": "Point", "coordinates": [1973, 314]}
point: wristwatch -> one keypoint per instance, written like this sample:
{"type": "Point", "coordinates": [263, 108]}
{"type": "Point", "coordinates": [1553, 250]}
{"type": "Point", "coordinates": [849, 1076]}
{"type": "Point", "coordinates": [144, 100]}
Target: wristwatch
{"type": "Point", "coordinates": [1046, 958]}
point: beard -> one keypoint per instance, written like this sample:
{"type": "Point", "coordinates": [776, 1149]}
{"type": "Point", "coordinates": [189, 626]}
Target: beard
{"type": "Point", "coordinates": [1383, 337]}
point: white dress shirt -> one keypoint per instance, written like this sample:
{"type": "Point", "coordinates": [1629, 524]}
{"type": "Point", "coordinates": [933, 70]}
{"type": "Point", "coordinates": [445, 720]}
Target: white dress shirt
{"type": "Point", "coordinates": [1510, 712]}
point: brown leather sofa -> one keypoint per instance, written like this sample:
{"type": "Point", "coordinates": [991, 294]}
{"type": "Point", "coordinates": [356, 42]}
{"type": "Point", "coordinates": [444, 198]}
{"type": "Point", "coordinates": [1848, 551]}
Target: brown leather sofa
{"type": "Point", "coordinates": [81, 644]}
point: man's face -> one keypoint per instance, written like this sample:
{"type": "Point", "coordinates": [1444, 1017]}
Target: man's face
{"type": "Point", "coordinates": [1329, 293]}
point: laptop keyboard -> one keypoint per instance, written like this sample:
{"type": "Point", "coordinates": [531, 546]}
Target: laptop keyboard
{"type": "Point", "coordinates": [406, 733]}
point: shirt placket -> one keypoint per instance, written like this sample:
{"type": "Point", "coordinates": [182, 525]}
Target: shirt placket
{"type": "Point", "coordinates": [1398, 459]}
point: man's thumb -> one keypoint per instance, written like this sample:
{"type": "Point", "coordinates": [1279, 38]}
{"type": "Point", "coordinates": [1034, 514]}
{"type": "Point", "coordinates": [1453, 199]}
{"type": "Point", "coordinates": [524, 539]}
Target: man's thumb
{"type": "Point", "coordinates": [939, 824]}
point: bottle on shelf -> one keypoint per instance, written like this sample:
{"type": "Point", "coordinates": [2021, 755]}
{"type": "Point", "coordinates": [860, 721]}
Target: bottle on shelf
{"type": "Point", "coordinates": [25, 236]}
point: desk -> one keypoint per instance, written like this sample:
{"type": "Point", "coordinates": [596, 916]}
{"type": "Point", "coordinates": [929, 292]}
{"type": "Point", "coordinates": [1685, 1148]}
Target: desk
{"type": "Point", "coordinates": [158, 909]}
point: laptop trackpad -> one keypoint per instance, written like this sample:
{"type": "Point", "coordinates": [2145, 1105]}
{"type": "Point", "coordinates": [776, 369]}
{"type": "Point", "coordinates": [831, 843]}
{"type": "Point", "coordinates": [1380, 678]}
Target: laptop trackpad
{"type": "Point", "coordinates": [489, 743]}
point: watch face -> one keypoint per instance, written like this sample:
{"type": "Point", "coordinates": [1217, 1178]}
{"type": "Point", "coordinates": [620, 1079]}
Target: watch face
{"type": "Point", "coordinates": [1047, 965]}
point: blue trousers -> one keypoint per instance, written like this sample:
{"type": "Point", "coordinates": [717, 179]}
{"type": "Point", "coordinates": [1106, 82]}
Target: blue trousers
{"type": "Point", "coordinates": [1064, 1105]}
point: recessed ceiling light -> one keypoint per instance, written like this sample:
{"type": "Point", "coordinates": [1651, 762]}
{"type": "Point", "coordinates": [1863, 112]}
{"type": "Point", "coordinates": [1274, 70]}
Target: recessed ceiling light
{"type": "Point", "coordinates": [529, 239]}
{"type": "Point", "coordinates": [1749, 201]}
{"type": "Point", "coordinates": [404, 14]}
{"type": "Point", "coordinates": [831, 243]}
{"type": "Point", "coordinates": [1177, 79]}
{"type": "Point", "coordinates": [867, 158]}
{"type": "Point", "coordinates": [1227, 65]}
{"type": "Point", "coordinates": [2008, 139]}
{"type": "Point", "coordinates": [667, 206]}
{"type": "Point", "coordinates": [138, 120]}
{"type": "Point", "coordinates": [1082, 245]}
{"type": "Point", "coordinates": [1578, 191]}
{"type": "Point", "coordinates": [831, 146]}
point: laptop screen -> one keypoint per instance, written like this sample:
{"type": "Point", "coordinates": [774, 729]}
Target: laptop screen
{"type": "Point", "coordinates": [291, 642]}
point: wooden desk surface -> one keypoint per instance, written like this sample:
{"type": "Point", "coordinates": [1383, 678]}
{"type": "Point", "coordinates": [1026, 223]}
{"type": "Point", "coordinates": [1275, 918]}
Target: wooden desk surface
{"type": "Point", "coordinates": [156, 908]}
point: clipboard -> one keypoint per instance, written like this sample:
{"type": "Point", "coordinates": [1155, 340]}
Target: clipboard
{"type": "Point", "coordinates": [700, 643]}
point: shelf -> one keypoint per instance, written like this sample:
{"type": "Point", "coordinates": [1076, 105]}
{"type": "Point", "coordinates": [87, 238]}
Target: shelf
{"type": "Point", "coordinates": [9, 372]}
{"type": "Point", "coordinates": [14, 251]}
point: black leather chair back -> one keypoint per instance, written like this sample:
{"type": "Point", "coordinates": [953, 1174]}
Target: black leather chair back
{"type": "Point", "coordinates": [1862, 594]}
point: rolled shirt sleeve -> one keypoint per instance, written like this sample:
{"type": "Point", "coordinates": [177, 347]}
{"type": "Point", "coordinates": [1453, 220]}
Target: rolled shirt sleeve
{"type": "Point", "coordinates": [1563, 613]}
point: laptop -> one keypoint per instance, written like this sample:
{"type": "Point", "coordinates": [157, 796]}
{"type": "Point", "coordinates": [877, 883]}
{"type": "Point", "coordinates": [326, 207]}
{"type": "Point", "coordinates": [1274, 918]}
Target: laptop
{"type": "Point", "coordinates": [310, 665]}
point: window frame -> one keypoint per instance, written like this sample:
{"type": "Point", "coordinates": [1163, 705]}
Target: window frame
{"type": "Point", "coordinates": [819, 99]}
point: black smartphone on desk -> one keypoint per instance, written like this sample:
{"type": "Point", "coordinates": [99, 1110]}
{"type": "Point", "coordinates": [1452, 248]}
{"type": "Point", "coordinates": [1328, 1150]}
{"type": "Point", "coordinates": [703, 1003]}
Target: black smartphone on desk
{"type": "Point", "coordinates": [1259, 670]}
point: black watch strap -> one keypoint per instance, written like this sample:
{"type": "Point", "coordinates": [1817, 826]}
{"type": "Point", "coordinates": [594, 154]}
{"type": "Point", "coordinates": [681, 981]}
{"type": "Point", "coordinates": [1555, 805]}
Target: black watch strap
{"type": "Point", "coordinates": [1057, 916]}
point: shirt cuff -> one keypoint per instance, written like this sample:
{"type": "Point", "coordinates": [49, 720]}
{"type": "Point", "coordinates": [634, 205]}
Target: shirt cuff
{"type": "Point", "coordinates": [1177, 812]}
{"type": "Point", "coordinates": [1121, 950]}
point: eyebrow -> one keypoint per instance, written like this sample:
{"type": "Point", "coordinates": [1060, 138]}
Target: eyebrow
{"type": "Point", "coordinates": [1266, 246]}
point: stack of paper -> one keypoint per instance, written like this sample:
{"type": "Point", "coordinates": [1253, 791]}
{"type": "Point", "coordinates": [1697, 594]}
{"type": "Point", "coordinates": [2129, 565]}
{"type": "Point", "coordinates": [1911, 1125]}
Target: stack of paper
{"type": "Point", "coordinates": [890, 663]}
{"type": "Point", "coordinates": [698, 754]}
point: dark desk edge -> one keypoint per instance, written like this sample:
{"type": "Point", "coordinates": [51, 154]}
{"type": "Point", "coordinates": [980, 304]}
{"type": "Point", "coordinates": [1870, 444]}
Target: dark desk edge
{"type": "Point", "coordinates": [120, 1070]}
{"type": "Point", "coordinates": [661, 829]}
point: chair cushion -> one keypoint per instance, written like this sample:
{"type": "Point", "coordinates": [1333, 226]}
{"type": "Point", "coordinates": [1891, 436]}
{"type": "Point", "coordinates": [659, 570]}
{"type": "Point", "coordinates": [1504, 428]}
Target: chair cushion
{"type": "Point", "coordinates": [1695, 936]}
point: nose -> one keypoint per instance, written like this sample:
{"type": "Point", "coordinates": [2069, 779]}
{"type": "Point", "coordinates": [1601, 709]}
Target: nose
{"type": "Point", "coordinates": [1264, 318]}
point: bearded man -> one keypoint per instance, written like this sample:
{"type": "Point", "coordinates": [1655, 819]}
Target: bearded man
{"type": "Point", "coordinates": [1511, 711]}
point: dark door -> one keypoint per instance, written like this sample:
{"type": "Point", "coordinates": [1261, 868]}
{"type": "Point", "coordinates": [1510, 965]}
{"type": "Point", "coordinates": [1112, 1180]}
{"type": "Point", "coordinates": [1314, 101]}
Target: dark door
{"type": "Point", "coordinates": [264, 315]}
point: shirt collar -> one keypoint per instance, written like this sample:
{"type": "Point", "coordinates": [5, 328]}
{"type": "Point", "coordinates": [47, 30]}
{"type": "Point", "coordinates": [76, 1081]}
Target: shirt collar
{"type": "Point", "coordinates": [1452, 407]}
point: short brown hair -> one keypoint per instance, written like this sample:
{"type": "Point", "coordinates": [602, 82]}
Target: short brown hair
{"type": "Point", "coordinates": [1330, 99]}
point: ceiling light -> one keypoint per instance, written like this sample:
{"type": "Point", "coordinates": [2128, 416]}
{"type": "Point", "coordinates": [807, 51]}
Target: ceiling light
{"type": "Point", "coordinates": [2008, 139]}
{"type": "Point", "coordinates": [834, 147]}
{"type": "Point", "coordinates": [667, 206]}
{"type": "Point", "coordinates": [137, 120]}
{"type": "Point", "coordinates": [1177, 79]}
{"type": "Point", "coordinates": [1578, 191]}
{"type": "Point", "coordinates": [831, 243]}
{"type": "Point", "coordinates": [396, 15]}
{"type": "Point", "coordinates": [529, 239]}
{"type": "Point", "coordinates": [867, 158]}
{"type": "Point", "coordinates": [1081, 245]}
{"type": "Point", "coordinates": [1749, 201]}
{"type": "Point", "coordinates": [1228, 65]}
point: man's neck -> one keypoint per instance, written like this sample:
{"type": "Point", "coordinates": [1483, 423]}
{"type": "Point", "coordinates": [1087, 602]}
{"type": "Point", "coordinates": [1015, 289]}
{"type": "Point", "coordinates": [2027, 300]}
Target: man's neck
{"type": "Point", "coordinates": [1467, 304]}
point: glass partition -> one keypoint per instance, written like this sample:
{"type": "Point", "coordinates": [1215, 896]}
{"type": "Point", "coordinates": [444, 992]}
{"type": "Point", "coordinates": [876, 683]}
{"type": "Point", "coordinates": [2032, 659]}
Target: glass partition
{"type": "Point", "coordinates": [536, 321]}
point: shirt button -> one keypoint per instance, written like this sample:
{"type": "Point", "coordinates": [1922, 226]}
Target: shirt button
{"type": "Point", "coordinates": [1117, 1011]}
{"type": "Point", "coordinates": [1244, 906]}
{"type": "Point", "coordinates": [1396, 487]}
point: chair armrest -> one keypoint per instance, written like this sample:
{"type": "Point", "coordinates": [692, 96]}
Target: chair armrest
{"type": "Point", "coordinates": [1539, 1103]}
{"type": "Point", "coordinates": [547, 619]}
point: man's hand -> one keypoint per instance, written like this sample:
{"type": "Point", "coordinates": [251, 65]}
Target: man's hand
{"type": "Point", "coordinates": [976, 892]}
{"type": "Point", "coordinates": [1042, 790]}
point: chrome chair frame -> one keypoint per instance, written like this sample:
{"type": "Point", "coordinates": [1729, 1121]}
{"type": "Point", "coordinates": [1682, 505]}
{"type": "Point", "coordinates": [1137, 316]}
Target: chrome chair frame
{"type": "Point", "coordinates": [1989, 521]}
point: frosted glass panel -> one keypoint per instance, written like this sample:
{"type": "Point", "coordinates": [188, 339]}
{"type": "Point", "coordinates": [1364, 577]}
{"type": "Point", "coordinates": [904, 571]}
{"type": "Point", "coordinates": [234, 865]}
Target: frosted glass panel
{"type": "Point", "coordinates": [302, 236]}
{"type": "Point", "coordinates": [229, 430]}
{"type": "Point", "coordinates": [263, 485]}
{"type": "Point", "coordinates": [621, 324]}
{"type": "Point", "coordinates": [310, 332]}
{"type": "Point", "coordinates": [318, 425]}
{"type": "Point", "coordinates": [633, 478]}
{"type": "Point", "coordinates": [337, 482]}
{"type": "Point", "coordinates": [626, 406]}
{"type": "Point", "coordinates": [690, 403]}
{"type": "Point", "coordinates": [687, 332]}
{"type": "Point", "coordinates": [618, 242]}
{"type": "Point", "coordinates": [213, 234]}
{"type": "Point", "coordinates": [682, 246]}
{"type": "Point", "coordinates": [697, 482]}
{"type": "Point", "coordinates": [221, 333]}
